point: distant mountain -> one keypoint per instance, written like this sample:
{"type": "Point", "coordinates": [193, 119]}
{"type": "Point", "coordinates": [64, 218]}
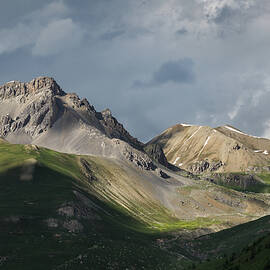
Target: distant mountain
{"type": "Point", "coordinates": [202, 149]}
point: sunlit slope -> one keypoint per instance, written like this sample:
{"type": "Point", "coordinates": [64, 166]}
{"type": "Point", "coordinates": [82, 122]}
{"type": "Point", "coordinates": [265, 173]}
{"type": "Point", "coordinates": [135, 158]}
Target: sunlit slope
{"type": "Point", "coordinates": [203, 149]}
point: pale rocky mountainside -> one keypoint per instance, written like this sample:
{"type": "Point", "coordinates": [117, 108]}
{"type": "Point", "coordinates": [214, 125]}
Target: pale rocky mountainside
{"type": "Point", "coordinates": [41, 113]}
{"type": "Point", "coordinates": [202, 149]}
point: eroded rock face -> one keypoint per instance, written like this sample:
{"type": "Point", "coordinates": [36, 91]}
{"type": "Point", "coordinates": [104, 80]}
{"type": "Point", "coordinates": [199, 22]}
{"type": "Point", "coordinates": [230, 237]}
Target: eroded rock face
{"type": "Point", "coordinates": [139, 159]}
{"type": "Point", "coordinates": [34, 119]}
{"type": "Point", "coordinates": [162, 174]}
{"type": "Point", "coordinates": [86, 170]}
{"type": "Point", "coordinates": [230, 201]}
{"type": "Point", "coordinates": [116, 130]}
{"type": "Point", "coordinates": [16, 88]}
{"type": "Point", "coordinates": [37, 102]}
{"type": "Point", "coordinates": [6, 125]}
{"type": "Point", "coordinates": [204, 166]}
{"type": "Point", "coordinates": [258, 169]}
{"type": "Point", "coordinates": [241, 180]}
{"type": "Point", "coordinates": [155, 151]}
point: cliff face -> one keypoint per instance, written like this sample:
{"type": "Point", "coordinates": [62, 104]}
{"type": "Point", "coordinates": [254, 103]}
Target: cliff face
{"type": "Point", "coordinates": [29, 107]}
{"type": "Point", "coordinates": [114, 129]}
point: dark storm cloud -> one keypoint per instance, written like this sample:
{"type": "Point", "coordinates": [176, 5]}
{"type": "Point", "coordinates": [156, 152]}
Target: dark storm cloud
{"type": "Point", "coordinates": [180, 71]}
{"type": "Point", "coordinates": [99, 48]}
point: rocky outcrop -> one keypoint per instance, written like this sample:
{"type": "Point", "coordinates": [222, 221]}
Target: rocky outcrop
{"type": "Point", "coordinates": [244, 181]}
{"type": "Point", "coordinates": [38, 105]}
{"type": "Point", "coordinates": [116, 130]}
{"type": "Point", "coordinates": [139, 159]}
{"type": "Point", "coordinates": [86, 169]}
{"type": "Point", "coordinates": [162, 174]}
{"type": "Point", "coordinates": [35, 118]}
{"type": "Point", "coordinates": [73, 226]}
{"type": "Point", "coordinates": [205, 166]}
{"type": "Point", "coordinates": [156, 153]}
{"type": "Point", "coordinates": [16, 88]}
{"type": "Point", "coordinates": [237, 147]}
{"type": "Point", "coordinates": [256, 169]}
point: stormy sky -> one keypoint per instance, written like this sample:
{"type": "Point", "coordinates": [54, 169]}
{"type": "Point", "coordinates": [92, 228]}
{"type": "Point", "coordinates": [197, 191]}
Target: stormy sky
{"type": "Point", "coordinates": [154, 63]}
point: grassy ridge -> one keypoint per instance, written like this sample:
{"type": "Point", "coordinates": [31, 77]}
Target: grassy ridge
{"type": "Point", "coordinates": [253, 256]}
{"type": "Point", "coordinates": [110, 238]}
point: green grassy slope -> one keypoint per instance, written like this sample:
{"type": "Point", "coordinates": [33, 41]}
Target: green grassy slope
{"type": "Point", "coordinates": [253, 256]}
{"type": "Point", "coordinates": [110, 238]}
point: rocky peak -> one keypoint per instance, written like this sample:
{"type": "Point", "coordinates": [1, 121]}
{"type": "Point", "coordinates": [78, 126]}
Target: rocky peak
{"type": "Point", "coordinates": [16, 88]}
{"type": "Point", "coordinates": [106, 113]}
{"type": "Point", "coordinates": [45, 82]}
{"type": "Point", "coordinates": [74, 100]}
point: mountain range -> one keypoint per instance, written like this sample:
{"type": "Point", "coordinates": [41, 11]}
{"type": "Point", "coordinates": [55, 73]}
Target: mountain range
{"type": "Point", "coordinates": [70, 174]}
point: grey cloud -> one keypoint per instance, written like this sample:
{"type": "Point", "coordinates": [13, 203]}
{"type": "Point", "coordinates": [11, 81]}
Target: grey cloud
{"type": "Point", "coordinates": [254, 119]}
{"type": "Point", "coordinates": [53, 9]}
{"type": "Point", "coordinates": [233, 16]}
{"type": "Point", "coordinates": [111, 35]}
{"type": "Point", "coordinates": [19, 36]}
{"type": "Point", "coordinates": [225, 15]}
{"type": "Point", "coordinates": [47, 29]}
{"type": "Point", "coordinates": [182, 31]}
{"type": "Point", "coordinates": [254, 112]}
{"type": "Point", "coordinates": [58, 36]}
{"type": "Point", "coordinates": [13, 11]}
{"type": "Point", "coordinates": [180, 71]}
{"type": "Point", "coordinates": [242, 103]}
